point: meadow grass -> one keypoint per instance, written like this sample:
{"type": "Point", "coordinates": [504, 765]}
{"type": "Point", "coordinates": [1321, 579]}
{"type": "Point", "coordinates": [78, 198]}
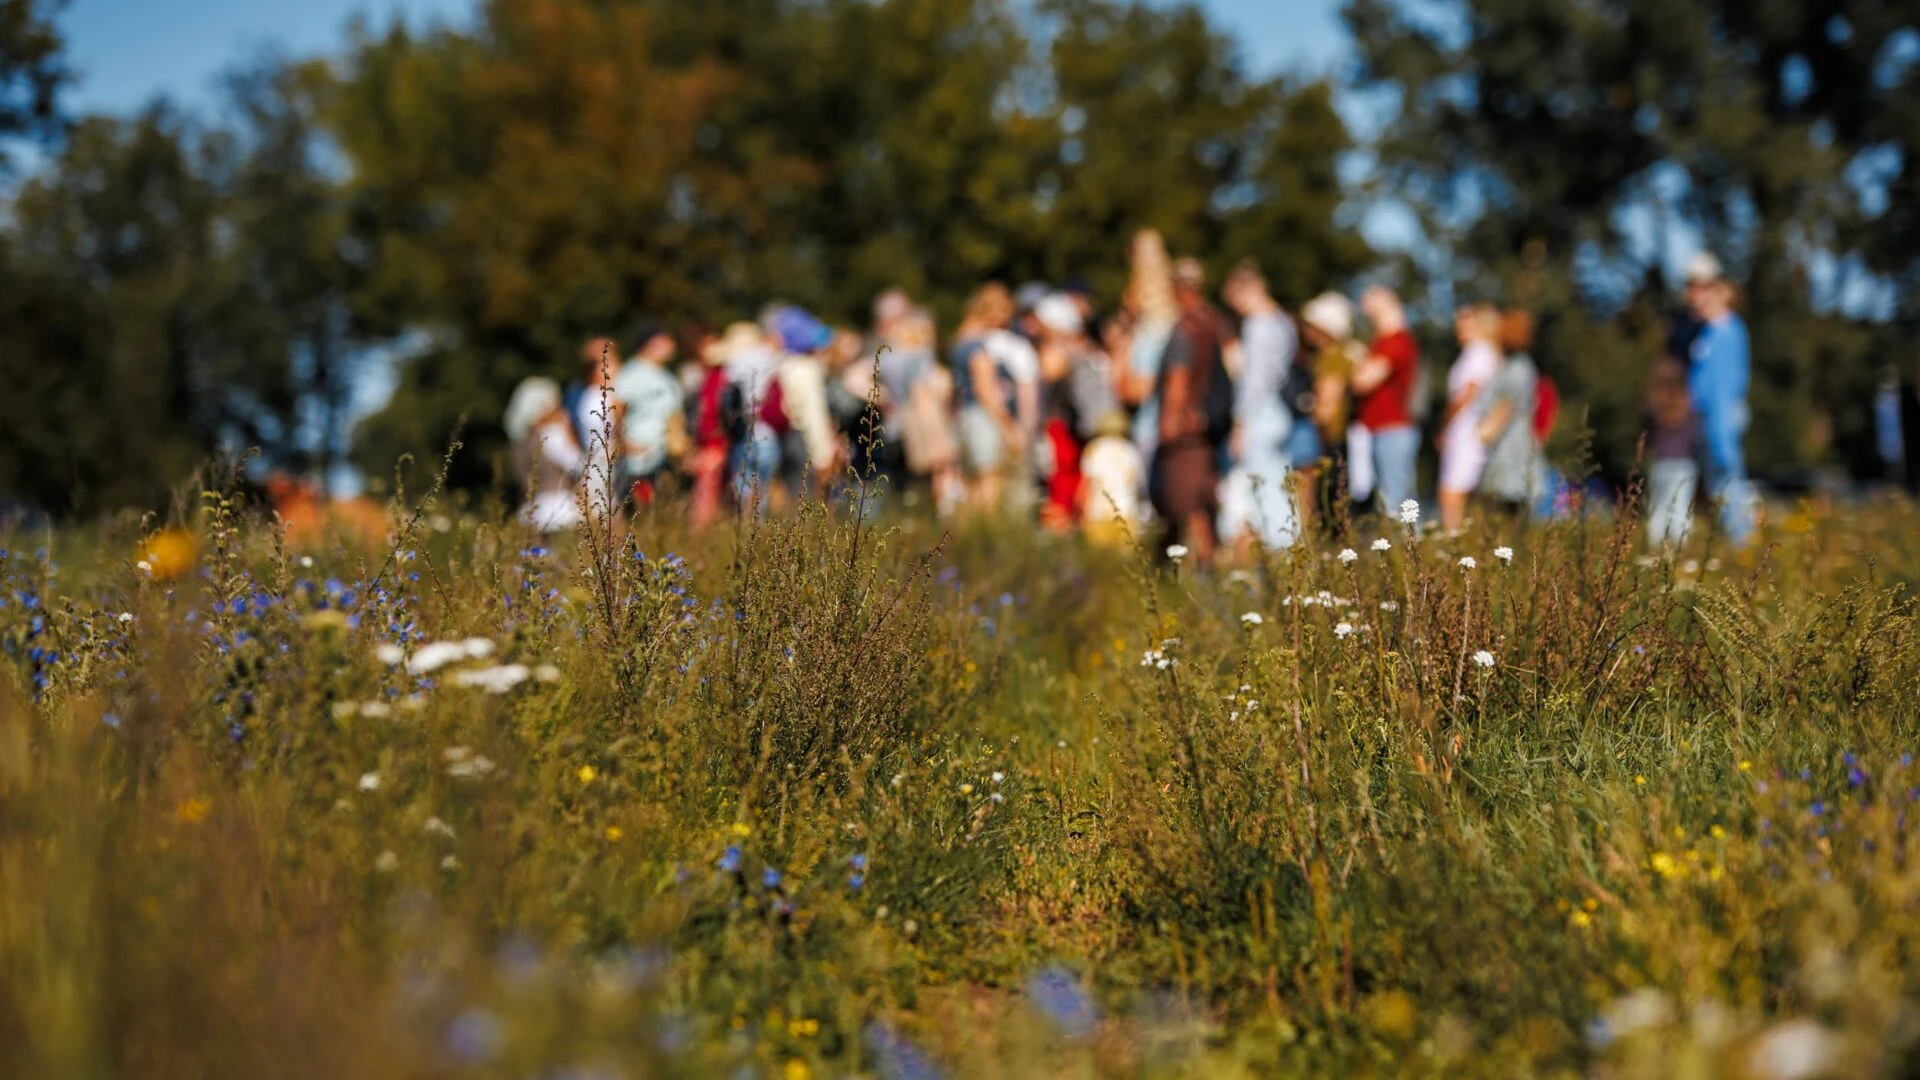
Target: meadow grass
{"type": "Point", "coordinates": [813, 797]}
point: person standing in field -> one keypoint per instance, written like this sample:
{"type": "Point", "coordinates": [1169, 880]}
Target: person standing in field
{"type": "Point", "coordinates": [1256, 498]}
{"type": "Point", "coordinates": [1326, 322]}
{"type": "Point", "coordinates": [1463, 455]}
{"type": "Point", "coordinates": [1673, 450]}
{"type": "Point", "coordinates": [708, 425]}
{"type": "Point", "coordinates": [1717, 376]}
{"type": "Point", "coordinates": [1185, 479]}
{"type": "Point", "coordinates": [1383, 397]}
{"type": "Point", "coordinates": [991, 437]}
{"type": "Point", "coordinates": [545, 455]}
{"type": "Point", "coordinates": [654, 411]}
{"type": "Point", "coordinates": [1112, 476]}
{"type": "Point", "coordinates": [1510, 478]}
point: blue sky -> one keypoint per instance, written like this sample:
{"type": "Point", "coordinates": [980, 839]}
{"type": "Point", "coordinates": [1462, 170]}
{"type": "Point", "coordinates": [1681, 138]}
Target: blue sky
{"type": "Point", "coordinates": [128, 50]}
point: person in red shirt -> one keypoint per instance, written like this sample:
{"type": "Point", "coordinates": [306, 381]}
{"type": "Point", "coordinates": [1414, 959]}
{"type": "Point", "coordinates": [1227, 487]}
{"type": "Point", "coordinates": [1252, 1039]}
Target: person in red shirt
{"type": "Point", "coordinates": [1383, 392]}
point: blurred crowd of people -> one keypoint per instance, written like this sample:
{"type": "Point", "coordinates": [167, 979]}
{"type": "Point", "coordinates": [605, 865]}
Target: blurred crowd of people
{"type": "Point", "coordinates": [1218, 419]}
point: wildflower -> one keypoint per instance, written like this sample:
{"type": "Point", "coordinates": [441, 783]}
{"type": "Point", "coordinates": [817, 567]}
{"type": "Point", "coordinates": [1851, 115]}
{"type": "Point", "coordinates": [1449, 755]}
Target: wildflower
{"type": "Point", "coordinates": [1795, 1050]}
{"type": "Point", "coordinates": [1467, 563]}
{"type": "Point", "coordinates": [1253, 618]}
{"type": "Point", "coordinates": [614, 833]}
{"type": "Point", "coordinates": [1746, 766]}
{"type": "Point", "coordinates": [803, 1028]}
{"type": "Point", "coordinates": [546, 673]}
{"type": "Point", "coordinates": [306, 562]}
{"type": "Point", "coordinates": [1349, 556]}
{"type": "Point", "coordinates": [1483, 658]}
{"type": "Point", "coordinates": [966, 789]}
{"type": "Point", "coordinates": [388, 653]}
{"type": "Point", "coordinates": [376, 710]}
{"type": "Point", "coordinates": [998, 776]}
{"type": "Point", "coordinates": [1176, 552]}
{"type": "Point", "coordinates": [1640, 779]}
{"type": "Point", "coordinates": [1389, 606]}
{"type": "Point", "coordinates": [144, 566]}
{"type": "Point", "coordinates": [477, 648]}
{"type": "Point", "coordinates": [436, 655]}
{"type": "Point", "coordinates": [194, 810]}
{"type": "Point", "coordinates": [742, 829]}
{"type": "Point", "coordinates": [730, 860]}
{"type": "Point", "coordinates": [435, 825]}
{"type": "Point", "coordinates": [1582, 920]}
{"type": "Point", "coordinates": [1383, 544]}
{"type": "Point", "coordinates": [370, 781]}
{"type": "Point", "coordinates": [770, 878]}
{"type": "Point", "coordinates": [1663, 864]}
{"type": "Point", "coordinates": [1503, 553]}
{"type": "Point", "coordinates": [997, 797]}
{"type": "Point", "coordinates": [1410, 512]}
{"type": "Point", "coordinates": [796, 1069]}
{"type": "Point", "coordinates": [1717, 833]}
{"type": "Point", "coordinates": [1343, 630]}
{"type": "Point", "coordinates": [450, 864]}
{"type": "Point", "coordinates": [494, 680]}
{"type": "Point", "coordinates": [126, 617]}
{"type": "Point", "coordinates": [386, 862]}
{"type": "Point", "coordinates": [1060, 998]}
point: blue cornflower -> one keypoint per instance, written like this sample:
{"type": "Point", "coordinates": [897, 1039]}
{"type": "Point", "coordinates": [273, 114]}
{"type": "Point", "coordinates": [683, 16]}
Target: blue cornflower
{"type": "Point", "coordinates": [730, 859]}
{"type": "Point", "coordinates": [858, 861]}
{"type": "Point", "coordinates": [770, 878]}
{"type": "Point", "coordinates": [854, 881]}
{"type": "Point", "coordinates": [1819, 807]}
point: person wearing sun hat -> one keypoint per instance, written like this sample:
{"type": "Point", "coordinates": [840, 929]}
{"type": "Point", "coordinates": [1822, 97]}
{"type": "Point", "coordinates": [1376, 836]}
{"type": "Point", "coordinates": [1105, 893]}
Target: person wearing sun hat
{"type": "Point", "coordinates": [1719, 368]}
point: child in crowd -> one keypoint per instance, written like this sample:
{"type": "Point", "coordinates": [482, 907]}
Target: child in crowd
{"type": "Point", "coordinates": [1112, 476]}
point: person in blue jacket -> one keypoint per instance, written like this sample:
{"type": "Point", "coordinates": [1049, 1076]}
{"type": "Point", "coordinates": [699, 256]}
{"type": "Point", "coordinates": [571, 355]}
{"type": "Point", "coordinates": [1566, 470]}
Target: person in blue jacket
{"type": "Point", "coordinates": [1718, 371]}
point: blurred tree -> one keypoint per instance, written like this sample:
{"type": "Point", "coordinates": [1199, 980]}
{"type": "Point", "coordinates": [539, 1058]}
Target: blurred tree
{"type": "Point", "coordinates": [31, 72]}
{"type": "Point", "coordinates": [1556, 141]}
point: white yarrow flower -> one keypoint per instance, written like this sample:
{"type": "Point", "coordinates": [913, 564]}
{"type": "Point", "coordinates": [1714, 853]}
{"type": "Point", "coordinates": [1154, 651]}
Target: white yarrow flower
{"type": "Point", "coordinates": [1503, 553]}
{"type": "Point", "coordinates": [1342, 630]}
{"type": "Point", "coordinates": [1483, 658]}
{"type": "Point", "coordinates": [388, 653]}
{"type": "Point", "coordinates": [1349, 556]}
{"type": "Point", "coordinates": [478, 648]}
{"type": "Point", "coordinates": [1176, 552]}
{"type": "Point", "coordinates": [306, 562]}
{"type": "Point", "coordinates": [370, 781]}
{"type": "Point", "coordinates": [998, 776]}
{"type": "Point", "coordinates": [1383, 544]}
{"type": "Point", "coordinates": [434, 656]}
{"type": "Point", "coordinates": [1467, 563]}
{"type": "Point", "coordinates": [126, 617]}
{"type": "Point", "coordinates": [387, 862]}
{"type": "Point", "coordinates": [1410, 512]}
{"type": "Point", "coordinates": [494, 680]}
{"type": "Point", "coordinates": [376, 710]}
{"type": "Point", "coordinates": [144, 566]}
{"type": "Point", "coordinates": [1253, 618]}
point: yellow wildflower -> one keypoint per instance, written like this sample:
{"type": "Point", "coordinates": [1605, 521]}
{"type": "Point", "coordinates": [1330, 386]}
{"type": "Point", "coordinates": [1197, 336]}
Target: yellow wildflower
{"type": "Point", "coordinates": [966, 789]}
{"type": "Point", "coordinates": [614, 832]}
{"type": "Point", "coordinates": [797, 1070]}
{"type": "Point", "coordinates": [1745, 765]}
{"type": "Point", "coordinates": [1582, 920]}
{"type": "Point", "coordinates": [803, 1027]}
{"type": "Point", "coordinates": [741, 828]}
{"type": "Point", "coordinates": [587, 773]}
{"type": "Point", "coordinates": [1590, 904]}
{"type": "Point", "coordinates": [194, 810]}
{"type": "Point", "coordinates": [1664, 864]}
{"type": "Point", "coordinates": [1639, 778]}
{"type": "Point", "coordinates": [1717, 833]}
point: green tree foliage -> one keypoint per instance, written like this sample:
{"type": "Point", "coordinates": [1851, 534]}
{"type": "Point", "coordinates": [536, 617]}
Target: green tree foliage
{"type": "Point", "coordinates": [1535, 136]}
{"type": "Point", "coordinates": [563, 168]}
{"type": "Point", "coordinates": [171, 291]}
{"type": "Point", "coordinates": [31, 73]}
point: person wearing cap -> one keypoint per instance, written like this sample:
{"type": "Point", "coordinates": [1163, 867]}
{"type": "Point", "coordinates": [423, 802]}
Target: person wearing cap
{"type": "Point", "coordinates": [653, 405]}
{"type": "Point", "coordinates": [1256, 498]}
{"type": "Point", "coordinates": [1326, 322]}
{"type": "Point", "coordinates": [812, 447]}
{"type": "Point", "coordinates": [1718, 370]}
{"type": "Point", "coordinates": [1383, 391]}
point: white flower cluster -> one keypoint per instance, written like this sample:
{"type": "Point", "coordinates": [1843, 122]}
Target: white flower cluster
{"type": "Point", "coordinates": [1176, 552]}
{"type": "Point", "coordinates": [463, 762]}
{"type": "Point", "coordinates": [1410, 512]}
{"type": "Point", "coordinates": [1483, 658]}
{"type": "Point", "coordinates": [1348, 556]}
{"type": "Point", "coordinates": [1252, 618]}
{"type": "Point", "coordinates": [1467, 563]}
{"type": "Point", "coordinates": [1503, 553]}
{"type": "Point", "coordinates": [1383, 544]}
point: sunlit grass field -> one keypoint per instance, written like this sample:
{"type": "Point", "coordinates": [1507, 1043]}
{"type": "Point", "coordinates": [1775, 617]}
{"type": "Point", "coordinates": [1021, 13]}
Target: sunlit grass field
{"type": "Point", "coordinates": [817, 798]}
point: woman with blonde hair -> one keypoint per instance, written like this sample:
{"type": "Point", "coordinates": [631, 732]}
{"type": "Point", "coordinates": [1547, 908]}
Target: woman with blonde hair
{"type": "Point", "coordinates": [1463, 455]}
{"type": "Point", "coordinates": [1155, 311]}
{"type": "Point", "coordinates": [984, 391]}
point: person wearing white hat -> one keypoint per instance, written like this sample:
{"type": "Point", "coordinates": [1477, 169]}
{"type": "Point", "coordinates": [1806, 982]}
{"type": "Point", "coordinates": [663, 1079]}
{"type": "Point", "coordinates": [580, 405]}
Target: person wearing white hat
{"type": "Point", "coordinates": [1718, 372]}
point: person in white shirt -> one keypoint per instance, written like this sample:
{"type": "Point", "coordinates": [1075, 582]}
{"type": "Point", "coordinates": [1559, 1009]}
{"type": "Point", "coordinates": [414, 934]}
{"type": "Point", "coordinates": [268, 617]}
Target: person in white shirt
{"type": "Point", "coordinates": [1463, 454]}
{"type": "Point", "coordinates": [1256, 497]}
{"type": "Point", "coordinates": [545, 455]}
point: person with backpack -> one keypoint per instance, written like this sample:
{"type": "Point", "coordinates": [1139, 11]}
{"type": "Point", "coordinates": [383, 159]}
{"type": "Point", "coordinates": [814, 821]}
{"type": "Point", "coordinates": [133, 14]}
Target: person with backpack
{"type": "Point", "coordinates": [1256, 498]}
{"type": "Point", "coordinates": [1195, 396]}
{"type": "Point", "coordinates": [755, 413]}
{"type": "Point", "coordinates": [985, 391]}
